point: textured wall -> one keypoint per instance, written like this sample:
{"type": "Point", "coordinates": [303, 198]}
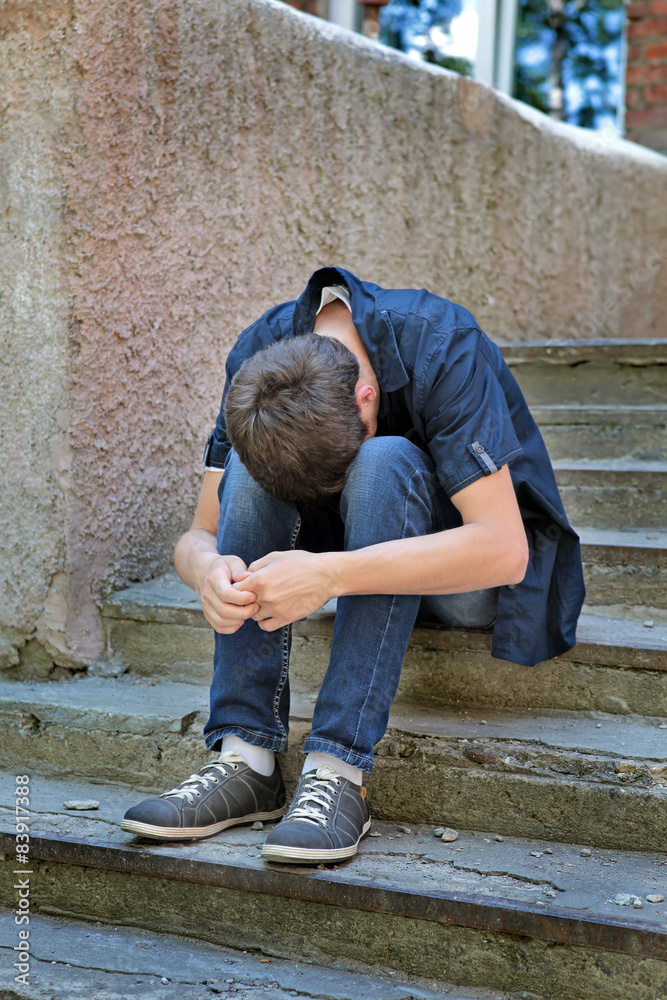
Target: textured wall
{"type": "Point", "coordinates": [171, 169]}
{"type": "Point", "coordinates": [36, 126]}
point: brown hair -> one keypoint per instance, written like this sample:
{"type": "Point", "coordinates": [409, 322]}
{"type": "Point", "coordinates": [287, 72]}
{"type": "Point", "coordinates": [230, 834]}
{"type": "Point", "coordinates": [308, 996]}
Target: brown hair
{"type": "Point", "coordinates": [292, 417]}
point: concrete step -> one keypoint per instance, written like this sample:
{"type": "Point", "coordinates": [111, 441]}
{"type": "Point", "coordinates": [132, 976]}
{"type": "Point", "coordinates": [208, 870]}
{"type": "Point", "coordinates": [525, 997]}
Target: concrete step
{"type": "Point", "coordinates": [82, 960]}
{"type": "Point", "coordinates": [637, 353]}
{"type": "Point", "coordinates": [617, 665]}
{"type": "Point", "coordinates": [157, 630]}
{"type": "Point", "coordinates": [605, 431]}
{"type": "Point", "coordinates": [625, 566]}
{"type": "Point", "coordinates": [515, 917]}
{"type": "Point", "coordinates": [590, 776]}
{"type": "Point", "coordinates": [621, 494]}
{"type": "Point", "coordinates": [591, 372]}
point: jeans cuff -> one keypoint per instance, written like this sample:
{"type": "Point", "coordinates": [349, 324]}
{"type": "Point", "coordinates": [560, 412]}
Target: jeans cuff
{"type": "Point", "coordinates": [275, 743]}
{"type": "Point", "coordinates": [315, 745]}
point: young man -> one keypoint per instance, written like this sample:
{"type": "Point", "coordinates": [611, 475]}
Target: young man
{"type": "Point", "coordinates": [371, 446]}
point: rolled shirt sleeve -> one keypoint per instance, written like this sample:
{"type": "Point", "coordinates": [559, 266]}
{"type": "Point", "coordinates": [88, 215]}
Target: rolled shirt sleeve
{"type": "Point", "coordinates": [467, 424]}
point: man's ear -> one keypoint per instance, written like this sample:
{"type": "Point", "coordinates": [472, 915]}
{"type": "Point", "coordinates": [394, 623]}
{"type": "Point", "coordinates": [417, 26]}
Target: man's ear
{"type": "Point", "coordinates": [364, 394]}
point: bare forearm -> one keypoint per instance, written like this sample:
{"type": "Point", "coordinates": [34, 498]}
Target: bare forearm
{"type": "Point", "coordinates": [471, 557]}
{"type": "Point", "coordinates": [195, 552]}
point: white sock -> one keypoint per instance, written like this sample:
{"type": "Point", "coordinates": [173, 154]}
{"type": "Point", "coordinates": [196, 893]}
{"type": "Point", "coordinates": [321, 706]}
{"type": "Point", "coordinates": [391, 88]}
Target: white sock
{"type": "Point", "coordinates": [259, 758]}
{"type": "Point", "coordinates": [315, 760]}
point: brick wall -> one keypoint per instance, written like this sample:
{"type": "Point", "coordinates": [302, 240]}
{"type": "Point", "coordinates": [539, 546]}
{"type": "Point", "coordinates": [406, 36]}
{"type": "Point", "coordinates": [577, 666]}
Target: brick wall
{"type": "Point", "coordinates": [646, 74]}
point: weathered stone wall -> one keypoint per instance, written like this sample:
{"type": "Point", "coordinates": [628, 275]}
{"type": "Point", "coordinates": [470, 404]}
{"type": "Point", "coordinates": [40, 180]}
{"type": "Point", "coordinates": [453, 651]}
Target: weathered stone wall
{"type": "Point", "coordinates": [170, 170]}
{"type": "Point", "coordinates": [37, 126]}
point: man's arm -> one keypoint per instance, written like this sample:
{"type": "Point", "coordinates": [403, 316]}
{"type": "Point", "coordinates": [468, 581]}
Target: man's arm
{"type": "Point", "coordinates": [200, 566]}
{"type": "Point", "coordinates": [488, 550]}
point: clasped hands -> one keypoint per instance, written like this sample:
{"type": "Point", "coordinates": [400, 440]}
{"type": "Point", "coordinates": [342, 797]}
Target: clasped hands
{"type": "Point", "coordinates": [279, 588]}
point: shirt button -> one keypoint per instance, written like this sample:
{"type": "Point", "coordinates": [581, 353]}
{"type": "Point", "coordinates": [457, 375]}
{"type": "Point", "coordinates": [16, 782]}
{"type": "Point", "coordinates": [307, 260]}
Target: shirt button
{"type": "Point", "coordinates": [479, 449]}
{"type": "Point", "coordinates": [511, 586]}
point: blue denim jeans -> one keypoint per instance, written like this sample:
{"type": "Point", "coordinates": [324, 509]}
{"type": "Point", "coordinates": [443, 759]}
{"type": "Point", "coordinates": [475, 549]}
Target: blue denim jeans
{"type": "Point", "coordinates": [391, 492]}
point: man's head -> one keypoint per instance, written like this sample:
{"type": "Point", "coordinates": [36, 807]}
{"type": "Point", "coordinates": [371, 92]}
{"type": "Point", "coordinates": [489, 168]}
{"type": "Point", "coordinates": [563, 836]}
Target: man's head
{"type": "Point", "coordinates": [294, 416]}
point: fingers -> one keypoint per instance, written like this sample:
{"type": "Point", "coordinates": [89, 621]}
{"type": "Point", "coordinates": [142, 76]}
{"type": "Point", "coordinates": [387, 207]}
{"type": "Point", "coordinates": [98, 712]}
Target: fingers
{"type": "Point", "coordinates": [218, 586]}
{"type": "Point", "coordinates": [231, 618]}
{"type": "Point", "coordinates": [225, 607]}
{"type": "Point", "coordinates": [218, 605]}
{"type": "Point", "coordinates": [271, 624]}
{"type": "Point", "coordinates": [245, 583]}
{"type": "Point", "coordinates": [235, 565]}
{"type": "Point", "coordinates": [233, 593]}
{"type": "Point", "coordinates": [264, 561]}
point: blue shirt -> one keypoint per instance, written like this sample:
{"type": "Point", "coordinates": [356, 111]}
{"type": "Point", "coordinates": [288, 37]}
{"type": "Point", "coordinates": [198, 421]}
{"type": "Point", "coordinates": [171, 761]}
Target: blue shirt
{"type": "Point", "coordinates": [441, 377]}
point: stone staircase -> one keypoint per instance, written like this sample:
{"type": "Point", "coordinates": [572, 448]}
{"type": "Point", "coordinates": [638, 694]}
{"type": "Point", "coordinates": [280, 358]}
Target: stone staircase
{"type": "Point", "coordinates": [555, 776]}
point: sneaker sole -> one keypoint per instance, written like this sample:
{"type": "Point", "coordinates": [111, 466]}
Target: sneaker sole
{"type": "Point", "coordinates": [285, 854]}
{"type": "Point", "coordinates": [195, 832]}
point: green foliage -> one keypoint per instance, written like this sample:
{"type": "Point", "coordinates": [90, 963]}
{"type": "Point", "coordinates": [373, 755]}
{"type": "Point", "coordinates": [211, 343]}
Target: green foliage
{"type": "Point", "coordinates": [572, 45]}
{"type": "Point", "coordinates": [567, 51]}
{"type": "Point", "coordinates": [456, 63]}
{"type": "Point", "coordinates": [529, 88]}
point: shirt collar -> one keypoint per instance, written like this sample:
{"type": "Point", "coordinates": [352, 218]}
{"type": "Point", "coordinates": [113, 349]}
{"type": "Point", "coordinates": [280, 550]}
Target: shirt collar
{"type": "Point", "coordinates": [372, 323]}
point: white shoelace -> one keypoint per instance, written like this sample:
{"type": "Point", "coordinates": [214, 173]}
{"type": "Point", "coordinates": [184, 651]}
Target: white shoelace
{"type": "Point", "coordinates": [316, 797]}
{"type": "Point", "coordinates": [192, 786]}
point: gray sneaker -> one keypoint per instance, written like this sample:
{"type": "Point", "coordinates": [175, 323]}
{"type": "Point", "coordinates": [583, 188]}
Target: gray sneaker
{"type": "Point", "coordinates": [224, 793]}
{"type": "Point", "coordinates": [325, 822]}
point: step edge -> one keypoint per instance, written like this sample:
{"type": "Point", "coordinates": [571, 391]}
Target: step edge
{"type": "Point", "coordinates": [600, 407]}
{"type": "Point", "coordinates": [616, 466]}
{"type": "Point", "coordinates": [653, 540]}
{"type": "Point", "coordinates": [125, 603]}
{"type": "Point", "coordinates": [400, 724]}
{"type": "Point", "coordinates": [625, 352]}
{"type": "Point", "coordinates": [551, 923]}
{"type": "Point", "coordinates": [586, 342]}
{"type": "Point", "coordinates": [480, 642]}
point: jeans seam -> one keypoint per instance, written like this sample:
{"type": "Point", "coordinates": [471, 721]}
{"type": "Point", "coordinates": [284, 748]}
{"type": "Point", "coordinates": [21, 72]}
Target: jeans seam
{"type": "Point", "coordinates": [330, 743]}
{"type": "Point", "coordinates": [217, 734]}
{"type": "Point", "coordinates": [286, 631]}
{"type": "Point", "coordinates": [408, 492]}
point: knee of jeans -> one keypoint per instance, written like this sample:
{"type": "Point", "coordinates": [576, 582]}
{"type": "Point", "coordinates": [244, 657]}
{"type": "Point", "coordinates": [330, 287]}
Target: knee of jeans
{"type": "Point", "coordinates": [240, 494]}
{"type": "Point", "coordinates": [475, 609]}
{"type": "Point", "coordinates": [236, 473]}
{"type": "Point", "coordinates": [238, 488]}
{"type": "Point", "coordinates": [382, 459]}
